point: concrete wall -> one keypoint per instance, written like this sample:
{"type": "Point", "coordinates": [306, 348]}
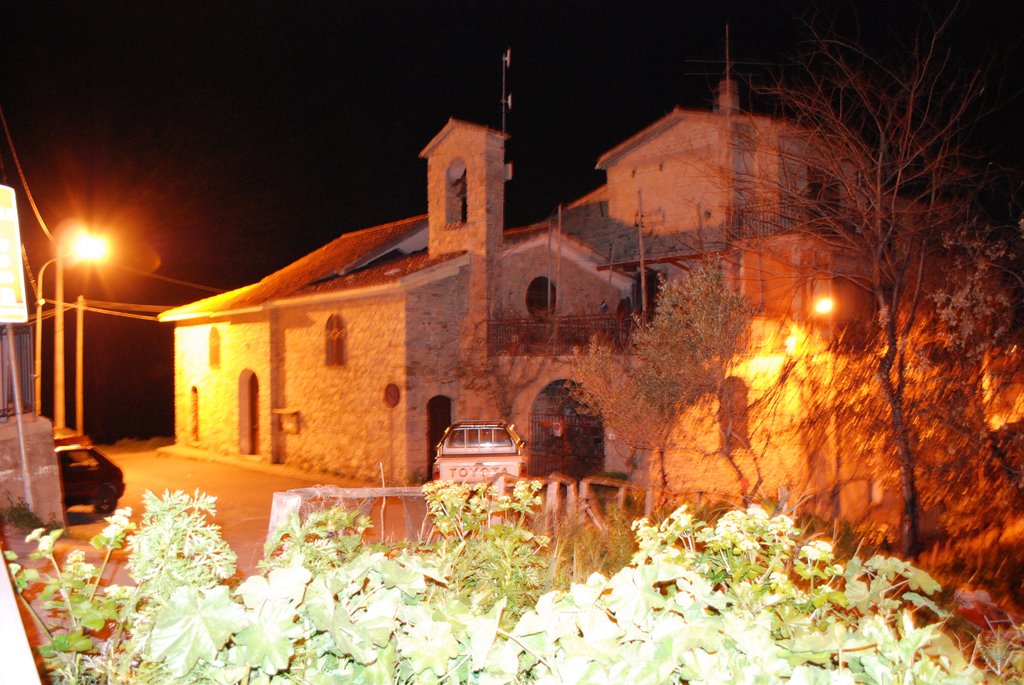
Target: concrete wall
{"type": "Point", "coordinates": [43, 472]}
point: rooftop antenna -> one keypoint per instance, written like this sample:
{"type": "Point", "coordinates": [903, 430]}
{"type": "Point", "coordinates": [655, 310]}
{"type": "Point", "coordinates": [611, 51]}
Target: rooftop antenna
{"type": "Point", "coordinates": [506, 102]}
{"type": "Point", "coordinates": [728, 64]}
{"type": "Point", "coordinates": [506, 97]}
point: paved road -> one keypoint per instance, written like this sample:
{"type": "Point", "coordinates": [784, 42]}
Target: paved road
{"type": "Point", "coordinates": [244, 495]}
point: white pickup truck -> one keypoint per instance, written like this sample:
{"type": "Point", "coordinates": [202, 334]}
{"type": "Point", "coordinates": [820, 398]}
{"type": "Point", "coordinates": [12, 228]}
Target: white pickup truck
{"type": "Point", "coordinates": [478, 451]}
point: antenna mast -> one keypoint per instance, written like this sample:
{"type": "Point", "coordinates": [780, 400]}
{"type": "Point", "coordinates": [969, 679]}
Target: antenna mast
{"type": "Point", "coordinates": [506, 97]}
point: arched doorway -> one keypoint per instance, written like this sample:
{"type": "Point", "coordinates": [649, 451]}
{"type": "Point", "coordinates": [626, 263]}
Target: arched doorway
{"type": "Point", "coordinates": [439, 416]}
{"type": "Point", "coordinates": [562, 437]}
{"type": "Point", "coordinates": [248, 413]}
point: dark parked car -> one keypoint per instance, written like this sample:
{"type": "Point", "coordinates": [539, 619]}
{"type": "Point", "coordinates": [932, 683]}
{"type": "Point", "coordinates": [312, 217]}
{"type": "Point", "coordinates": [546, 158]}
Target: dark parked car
{"type": "Point", "coordinates": [89, 477]}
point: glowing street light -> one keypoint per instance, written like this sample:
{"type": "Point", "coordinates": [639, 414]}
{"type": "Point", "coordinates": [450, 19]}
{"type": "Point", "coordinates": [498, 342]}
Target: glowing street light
{"type": "Point", "coordinates": [83, 246]}
{"type": "Point", "coordinates": [824, 305]}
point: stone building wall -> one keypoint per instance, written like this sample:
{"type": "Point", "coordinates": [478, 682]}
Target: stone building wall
{"type": "Point", "coordinates": [244, 344]}
{"type": "Point", "coordinates": [677, 179]}
{"type": "Point", "coordinates": [337, 420]}
{"type": "Point", "coordinates": [434, 314]}
{"type": "Point", "coordinates": [579, 288]}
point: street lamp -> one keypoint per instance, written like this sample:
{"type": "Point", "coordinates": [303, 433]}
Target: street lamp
{"type": "Point", "coordinates": [86, 247]}
{"type": "Point", "coordinates": [824, 305]}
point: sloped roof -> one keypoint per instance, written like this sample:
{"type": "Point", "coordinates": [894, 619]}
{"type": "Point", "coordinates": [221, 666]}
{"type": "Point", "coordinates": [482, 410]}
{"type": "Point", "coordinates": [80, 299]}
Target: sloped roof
{"type": "Point", "coordinates": [657, 128]}
{"type": "Point", "coordinates": [322, 270]}
{"type": "Point", "coordinates": [453, 124]}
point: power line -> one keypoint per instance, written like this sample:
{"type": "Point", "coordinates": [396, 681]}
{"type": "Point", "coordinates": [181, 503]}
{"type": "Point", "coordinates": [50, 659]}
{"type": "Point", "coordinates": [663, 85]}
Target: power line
{"type": "Point", "coordinates": [123, 315]}
{"type": "Point", "coordinates": [176, 281]}
{"type": "Point", "coordinates": [128, 306]}
{"type": "Point", "coordinates": [21, 174]}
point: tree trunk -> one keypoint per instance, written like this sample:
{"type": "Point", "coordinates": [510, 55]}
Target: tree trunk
{"type": "Point", "coordinates": [893, 389]}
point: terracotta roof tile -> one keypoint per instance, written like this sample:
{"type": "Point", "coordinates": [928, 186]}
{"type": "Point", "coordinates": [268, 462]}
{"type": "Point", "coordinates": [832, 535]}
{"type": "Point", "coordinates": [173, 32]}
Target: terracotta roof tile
{"type": "Point", "coordinates": [322, 265]}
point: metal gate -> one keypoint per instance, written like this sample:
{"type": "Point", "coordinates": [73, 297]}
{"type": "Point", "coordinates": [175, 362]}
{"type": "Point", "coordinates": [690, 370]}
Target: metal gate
{"type": "Point", "coordinates": [572, 444]}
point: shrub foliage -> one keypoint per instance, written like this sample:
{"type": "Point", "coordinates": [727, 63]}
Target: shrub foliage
{"type": "Point", "coordinates": [739, 600]}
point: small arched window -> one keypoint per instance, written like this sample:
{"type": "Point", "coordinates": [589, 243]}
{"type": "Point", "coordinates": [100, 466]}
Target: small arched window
{"type": "Point", "coordinates": [456, 203]}
{"type": "Point", "coordinates": [540, 297]}
{"type": "Point", "coordinates": [214, 348]}
{"type": "Point", "coordinates": [335, 341]}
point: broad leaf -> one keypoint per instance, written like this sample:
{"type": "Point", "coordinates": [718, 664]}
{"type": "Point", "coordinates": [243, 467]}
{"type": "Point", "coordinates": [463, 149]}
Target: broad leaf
{"type": "Point", "coordinates": [194, 625]}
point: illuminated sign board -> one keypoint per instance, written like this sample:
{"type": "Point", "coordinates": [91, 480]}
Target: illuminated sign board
{"type": "Point", "coordinates": [13, 308]}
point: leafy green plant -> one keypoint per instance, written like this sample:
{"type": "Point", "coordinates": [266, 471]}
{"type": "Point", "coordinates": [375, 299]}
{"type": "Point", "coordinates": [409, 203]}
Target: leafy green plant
{"type": "Point", "coordinates": [1002, 653]}
{"type": "Point", "coordinates": [485, 547]}
{"type": "Point", "coordinates": [19, 515]}
{"type": "Point", "coordinates": [76, 607]}
{"type": "Point", "coordinates": [739, 600]}
{"type": "Point", "coordinates": [326, 539]}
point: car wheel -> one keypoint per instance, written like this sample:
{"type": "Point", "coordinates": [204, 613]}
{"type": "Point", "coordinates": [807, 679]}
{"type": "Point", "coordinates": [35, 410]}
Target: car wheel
{"type": "Point", "coordinates": [105, 499]}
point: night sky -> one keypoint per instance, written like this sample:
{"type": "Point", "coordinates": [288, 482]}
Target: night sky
{"type": "Point", "coordinates": [218, 141]}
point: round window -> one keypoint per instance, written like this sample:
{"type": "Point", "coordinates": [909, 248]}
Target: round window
{"type": "Point", "coordinates": [540, 297]}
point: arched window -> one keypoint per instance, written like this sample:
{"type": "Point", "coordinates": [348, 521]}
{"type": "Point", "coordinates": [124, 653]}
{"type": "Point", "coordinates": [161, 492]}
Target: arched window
{"type": "Point", "coordinates": [540, 297]}
{"type": "Point", "coordinates": [214, 348]}
{"type": "Point", "coordinates": [335, 341]}
{"type": "Point", "coordinates": [456, 209]}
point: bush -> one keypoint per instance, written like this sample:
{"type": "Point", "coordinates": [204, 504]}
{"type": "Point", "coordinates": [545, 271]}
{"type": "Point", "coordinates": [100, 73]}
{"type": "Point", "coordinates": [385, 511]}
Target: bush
{"type": "Point", "coordinates": [19, 515]}
{"type": "Point", "coordinates": [739, 600]}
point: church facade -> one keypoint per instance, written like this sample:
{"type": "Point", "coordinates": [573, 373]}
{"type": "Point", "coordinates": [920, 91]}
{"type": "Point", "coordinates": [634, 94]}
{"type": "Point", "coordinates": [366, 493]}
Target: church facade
{"type": "Point", "coordinates": [354, 359]}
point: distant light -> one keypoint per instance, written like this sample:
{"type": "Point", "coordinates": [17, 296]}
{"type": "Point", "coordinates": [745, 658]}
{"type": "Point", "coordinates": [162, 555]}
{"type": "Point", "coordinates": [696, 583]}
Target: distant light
{"type": "Point", "coordinates": [89, 247]}
{"type": "Point", "coordinates": [824, 305]}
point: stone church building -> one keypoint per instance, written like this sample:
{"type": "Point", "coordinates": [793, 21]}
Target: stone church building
{"type": "Point", "coordinates": [355, 358]}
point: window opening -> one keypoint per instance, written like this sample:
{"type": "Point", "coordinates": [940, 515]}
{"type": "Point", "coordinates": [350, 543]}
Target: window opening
{"type": "Point", "coordinates": [214, 348]}
{"type": "Point", "coordinates": [541, 296]}
{"type": "Point", "coordinates": [733, 415]}
{"type": "Point", "coordinates": [335, 341]}
{"type": "Point", "coordinates": [456, 199]}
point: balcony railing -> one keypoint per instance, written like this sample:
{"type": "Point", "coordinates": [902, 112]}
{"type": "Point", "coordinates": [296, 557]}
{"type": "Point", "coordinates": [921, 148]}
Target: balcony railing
{"type": "Point", "coordinates": [756, 222]}
{"type": "Point", "coordinates": [534, 337]}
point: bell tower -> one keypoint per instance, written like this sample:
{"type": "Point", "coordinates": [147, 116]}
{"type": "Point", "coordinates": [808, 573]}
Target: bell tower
{"type": "Point", "coordinates": [465, 189]}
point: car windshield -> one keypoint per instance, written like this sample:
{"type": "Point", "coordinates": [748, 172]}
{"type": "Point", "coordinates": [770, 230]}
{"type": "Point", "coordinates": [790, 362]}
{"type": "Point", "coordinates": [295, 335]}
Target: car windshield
{"type": "Point", "coordinates": [79, 458]}
{"type": "Point", "coordinates": [480, 437]}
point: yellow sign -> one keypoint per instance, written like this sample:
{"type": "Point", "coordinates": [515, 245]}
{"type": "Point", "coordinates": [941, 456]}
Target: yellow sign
{"type": "Point", "coordinates": [13, 307]}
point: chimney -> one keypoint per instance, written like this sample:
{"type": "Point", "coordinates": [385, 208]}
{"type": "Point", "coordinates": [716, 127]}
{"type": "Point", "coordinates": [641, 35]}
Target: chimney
{"type": "Point", "coordinates": [728, 96]}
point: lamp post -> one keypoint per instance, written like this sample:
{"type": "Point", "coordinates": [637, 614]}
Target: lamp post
{"type": "Point", "coordinates": [86, 247]}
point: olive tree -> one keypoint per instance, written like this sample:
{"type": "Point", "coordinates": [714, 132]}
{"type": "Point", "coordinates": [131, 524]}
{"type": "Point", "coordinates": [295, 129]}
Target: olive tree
{"type": "Point", "coordinates": [677, 360]}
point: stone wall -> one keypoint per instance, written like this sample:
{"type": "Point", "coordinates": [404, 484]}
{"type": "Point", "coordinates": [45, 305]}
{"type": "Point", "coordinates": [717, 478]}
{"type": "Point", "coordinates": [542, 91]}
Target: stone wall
{"type": "Point", "coordinates": [340, 422]}
{"type": "Point", "coordinates": [434, 315]}
{"type": "Point", "coordinates": [677, 179]}
{"type": "Point", "coordinates": [580, 288]}
{"type": "Point", "coordinates": [244, 344]}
